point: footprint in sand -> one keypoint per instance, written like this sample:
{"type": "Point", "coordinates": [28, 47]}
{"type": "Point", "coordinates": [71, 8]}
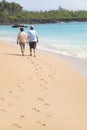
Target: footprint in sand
{"type": "Point", "coordinates": [19, 81]}
{"type": "Point", "coordinates": [22, 116]}
{"type": "Point", "coordinates": [10, 104]}
{"type": "Point", "coordinates": [41, 84]}
{"type": "Point", "coordinates": [17, 125]}
{"type": "Point", "coordinates": [36, 69]}
{"type": "Point", "coordinates": [46, 104]}
{"type": "Point", "coordinates": [44, 81]}
{"type": "Point", "coordinates": [37, 64]}
{"type": "Point", "coordinates": [32, 62]}
{"type": "Point", "coordinates": [10, 91]}
{"type": "Point", "coordinates": [44, 86]}
{"type": "Point", "coordinates": [48, 115]}
{"type": "Point", "coordinates": [2, 99]}
{"type": "Point", "coordinates": [36, 109]}
{"type": "Point", "coordinates": [42, 124]}
{"type": "Point", "coordinates": [3, 110]}
{"type": "Point", "coordinates": [19, 86]}
{"type": "Point", "coordinates": [50, 76]}
{"type": "Point", "coordinates": [41, 99]}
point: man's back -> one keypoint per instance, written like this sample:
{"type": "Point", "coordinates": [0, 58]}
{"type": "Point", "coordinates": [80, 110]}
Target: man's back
{"type": "Point", "coordinates": [32, 35]}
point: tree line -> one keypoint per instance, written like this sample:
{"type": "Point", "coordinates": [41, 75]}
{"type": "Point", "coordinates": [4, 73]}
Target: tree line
{"type": "Point", "coordinates": [11, 11]}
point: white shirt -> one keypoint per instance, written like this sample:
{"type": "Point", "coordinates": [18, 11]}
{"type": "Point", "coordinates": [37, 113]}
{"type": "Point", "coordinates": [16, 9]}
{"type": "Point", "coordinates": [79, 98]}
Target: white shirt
{"type": "Point", "coordinates": [22, 37]}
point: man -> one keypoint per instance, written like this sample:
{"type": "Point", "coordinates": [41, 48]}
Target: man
{"type": "Point", "coordinates": [22, 39]}
{"type": "Point", "coordinates": [33, 39]}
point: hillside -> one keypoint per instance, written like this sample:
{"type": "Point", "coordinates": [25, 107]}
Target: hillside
{"type": "Point", "coordinates": [14, 13]}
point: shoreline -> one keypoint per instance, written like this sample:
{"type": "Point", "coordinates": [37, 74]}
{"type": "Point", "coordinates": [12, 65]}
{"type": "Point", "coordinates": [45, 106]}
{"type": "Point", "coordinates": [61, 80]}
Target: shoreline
{"type": "Point", "coordinates": [77, 62]}
{"type": "Point", "coordinates": [42, 92]}
{"type": "Point", "coordinates": [41, 21]}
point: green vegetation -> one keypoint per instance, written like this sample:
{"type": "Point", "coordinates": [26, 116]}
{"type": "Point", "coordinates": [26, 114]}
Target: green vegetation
{"type": "Point", "coordinates": [14, 11]}
{"type": "Point", "coordinates": [9, 9]}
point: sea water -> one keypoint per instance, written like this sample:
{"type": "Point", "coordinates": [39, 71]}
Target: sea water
{"type": "Point", "coordinates": [60, 38]}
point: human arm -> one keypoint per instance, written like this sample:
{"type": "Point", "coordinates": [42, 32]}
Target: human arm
{"type": "Point", "coordinates": [27, 39]}
{"type": "Point", "coordinates": [37, 39]}
{"type": "Point", "coordinates": [17, 38]}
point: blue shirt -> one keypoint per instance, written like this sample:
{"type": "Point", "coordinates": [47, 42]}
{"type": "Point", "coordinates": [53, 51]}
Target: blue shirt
{"type": "Point", "coordinates": [32, 36]}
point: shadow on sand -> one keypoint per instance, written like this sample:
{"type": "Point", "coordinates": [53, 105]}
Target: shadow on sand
{"type": "Point", "coordinates": [13, 54]}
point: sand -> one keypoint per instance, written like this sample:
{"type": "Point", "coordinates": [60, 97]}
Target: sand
{"type": "Point", "coordinates": [40, 93]}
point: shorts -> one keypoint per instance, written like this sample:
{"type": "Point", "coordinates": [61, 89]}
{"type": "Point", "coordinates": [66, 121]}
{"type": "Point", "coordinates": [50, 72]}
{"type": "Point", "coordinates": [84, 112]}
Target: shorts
{"type": "Point", "coordinates": [32, 45]}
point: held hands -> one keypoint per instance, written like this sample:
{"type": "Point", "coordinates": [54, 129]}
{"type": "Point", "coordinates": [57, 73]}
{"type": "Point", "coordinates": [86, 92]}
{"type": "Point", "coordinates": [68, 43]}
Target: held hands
{"type": "Point", "coordinates": [27, 41]}
{"type": "Point", "coordinates": [37, 40]}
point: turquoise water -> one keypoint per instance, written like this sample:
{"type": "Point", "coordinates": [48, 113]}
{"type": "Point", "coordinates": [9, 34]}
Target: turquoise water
{"type": "Point", "coordinates": [61, 38]}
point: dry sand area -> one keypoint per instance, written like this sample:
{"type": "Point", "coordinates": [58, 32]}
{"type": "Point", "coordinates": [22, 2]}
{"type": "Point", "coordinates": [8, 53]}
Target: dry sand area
{"type": "Point", "coordinates": [40, 93]}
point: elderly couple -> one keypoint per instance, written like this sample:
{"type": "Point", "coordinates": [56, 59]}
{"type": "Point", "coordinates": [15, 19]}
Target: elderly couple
{"type": "Point", "coordinates": [31, 38]}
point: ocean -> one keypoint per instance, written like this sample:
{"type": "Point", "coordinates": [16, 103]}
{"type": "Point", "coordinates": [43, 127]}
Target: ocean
{"type": "Point", "coordinates": [66, 39]}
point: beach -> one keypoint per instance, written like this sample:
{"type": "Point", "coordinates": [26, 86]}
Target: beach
{"type": "Point", "coordinates": [40, 93]}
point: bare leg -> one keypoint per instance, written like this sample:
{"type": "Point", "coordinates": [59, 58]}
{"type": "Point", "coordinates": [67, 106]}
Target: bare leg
{"type": "Point", "coordinates": [30, 52]}
{"type": "Point", "coordinates": [34, 53]}
{"type": "Point", "coordinates": [21, 49]}
{"type": "Point", "coordinates": [22, 46]}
